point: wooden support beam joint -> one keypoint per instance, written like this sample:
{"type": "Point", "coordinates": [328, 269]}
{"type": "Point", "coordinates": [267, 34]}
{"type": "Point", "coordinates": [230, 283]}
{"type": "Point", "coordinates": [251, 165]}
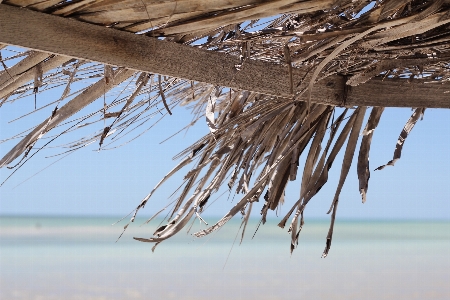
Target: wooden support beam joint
{"type": "Point", "coordinates": [72, 38]}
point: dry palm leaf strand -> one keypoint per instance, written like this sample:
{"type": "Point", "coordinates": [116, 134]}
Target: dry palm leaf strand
{"type": "Point", "coordinates": [402, 138]}
{"type": "Point", "coordinates": [363, 158]}
{"type": "Point", "coordinates": [88, 96]}
{"type": "Point", "coordinates": [348, 158]}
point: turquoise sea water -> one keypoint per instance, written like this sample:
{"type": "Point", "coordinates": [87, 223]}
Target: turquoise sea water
{"type": "Point", "coordinates": [77, 258]}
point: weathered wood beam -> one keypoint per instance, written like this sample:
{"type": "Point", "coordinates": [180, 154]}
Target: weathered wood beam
{"type": "Point", "coordinates": [39, 31]}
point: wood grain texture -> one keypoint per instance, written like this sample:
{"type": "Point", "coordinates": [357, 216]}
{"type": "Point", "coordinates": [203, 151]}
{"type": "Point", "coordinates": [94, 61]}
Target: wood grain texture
{"type": "Point", "coordinates": [400, 93]}
{"type": "Point", "coordinates": [91, 42]}
{"type": "Point", "coordinates": [85, 41]}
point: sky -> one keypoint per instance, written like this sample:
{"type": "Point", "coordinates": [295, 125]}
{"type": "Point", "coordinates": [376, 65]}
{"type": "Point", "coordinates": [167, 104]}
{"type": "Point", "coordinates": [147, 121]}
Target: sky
{"type": "Point", "coordinates": [112, 183]}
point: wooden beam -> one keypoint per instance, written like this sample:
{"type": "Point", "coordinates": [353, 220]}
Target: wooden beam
{"type": "Point", "coordinates": [57, 35]}
{"type": "Point", "coordinates": [39, 31]}
{"type": "Point", "coordinates": [400, 93]}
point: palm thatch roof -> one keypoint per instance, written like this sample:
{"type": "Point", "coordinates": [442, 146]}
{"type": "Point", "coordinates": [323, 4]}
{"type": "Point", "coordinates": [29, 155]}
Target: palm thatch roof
{"type": "Point", "coordinates": [273, 79]}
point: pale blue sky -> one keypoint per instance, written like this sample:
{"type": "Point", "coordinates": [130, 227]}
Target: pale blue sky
{"type": "Point", "coordinates": [114, 182]}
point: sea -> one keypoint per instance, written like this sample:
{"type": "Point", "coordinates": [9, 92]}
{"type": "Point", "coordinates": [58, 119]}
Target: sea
{"type": "Point", "coordinates": [79, 258]}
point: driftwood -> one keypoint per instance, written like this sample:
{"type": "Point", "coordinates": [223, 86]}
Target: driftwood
{"type": "Point", "coordinates": [266, 75]}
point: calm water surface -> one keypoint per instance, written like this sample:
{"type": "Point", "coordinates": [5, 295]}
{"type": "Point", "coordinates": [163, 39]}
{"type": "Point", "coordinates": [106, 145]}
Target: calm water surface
{"type": "Point", "coordinates": [77, 258]}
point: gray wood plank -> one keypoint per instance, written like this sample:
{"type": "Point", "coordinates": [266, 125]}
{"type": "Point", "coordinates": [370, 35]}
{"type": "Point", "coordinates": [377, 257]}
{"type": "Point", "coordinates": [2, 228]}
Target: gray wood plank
{"type": "Point", "coordinates": [39, 31]}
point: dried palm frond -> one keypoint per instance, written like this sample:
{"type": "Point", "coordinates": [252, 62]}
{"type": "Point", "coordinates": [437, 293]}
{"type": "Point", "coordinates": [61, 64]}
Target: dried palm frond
{"type": "Point", "coordinates": [255, 139]}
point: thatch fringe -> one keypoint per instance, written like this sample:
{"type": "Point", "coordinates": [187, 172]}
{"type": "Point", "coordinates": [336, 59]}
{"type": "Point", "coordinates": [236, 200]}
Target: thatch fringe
{"type": "Point", "coordinates": [255, 140]}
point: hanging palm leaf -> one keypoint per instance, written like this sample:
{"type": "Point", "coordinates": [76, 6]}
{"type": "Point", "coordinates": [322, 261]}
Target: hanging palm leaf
{"type": "Point", "coordinates": [318, 56]}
